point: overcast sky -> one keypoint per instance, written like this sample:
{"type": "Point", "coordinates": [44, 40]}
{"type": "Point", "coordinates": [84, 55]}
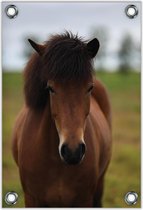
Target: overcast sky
{"type": "Point", "coordinates": [42, 19]}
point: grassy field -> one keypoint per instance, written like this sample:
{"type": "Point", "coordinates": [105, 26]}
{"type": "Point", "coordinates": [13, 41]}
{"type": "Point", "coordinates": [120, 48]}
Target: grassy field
{"type": "Point", "coordinates": [124, 171]}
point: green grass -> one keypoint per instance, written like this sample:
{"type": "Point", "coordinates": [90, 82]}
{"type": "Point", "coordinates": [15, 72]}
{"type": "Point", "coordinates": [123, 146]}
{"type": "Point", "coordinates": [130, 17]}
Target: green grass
{"type": "Point", "coordinates": [12, 103]}
{"type": "Point", "coordinates": [123, 174]}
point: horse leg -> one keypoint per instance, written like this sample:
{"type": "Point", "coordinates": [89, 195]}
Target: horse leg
{"type": "Point", "coordinates": [31, 202]}
{"type": "Point", "coordinates": [83, 204]}
{"type": "Point", "coordinates": [97, 200]}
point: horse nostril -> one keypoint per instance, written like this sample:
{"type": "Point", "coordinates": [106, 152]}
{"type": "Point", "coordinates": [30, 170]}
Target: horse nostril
{"type": "Point", "coordinates": [82, 148]}
{"type": "Point", "coordinates": [65, 151]}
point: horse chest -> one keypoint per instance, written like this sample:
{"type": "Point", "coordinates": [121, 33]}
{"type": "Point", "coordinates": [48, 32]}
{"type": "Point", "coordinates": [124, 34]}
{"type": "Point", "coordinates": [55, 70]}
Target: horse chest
{"type": "Point", "coordinates": [59, 184]}
{"type": "Point", "coordinates": [59, 194]}
{"type": "Point", "coordinates": [68, 189]}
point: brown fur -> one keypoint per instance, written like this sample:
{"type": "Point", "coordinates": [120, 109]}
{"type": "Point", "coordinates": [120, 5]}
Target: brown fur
{"type": "Point", "coordinates": [46, 180]}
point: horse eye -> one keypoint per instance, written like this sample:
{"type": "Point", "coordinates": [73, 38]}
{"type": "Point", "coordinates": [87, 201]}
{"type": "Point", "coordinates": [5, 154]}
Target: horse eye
{"type": "Point", "coordinates": [90, 88]}
{"type": "Point", "coordinates": [51, 89]}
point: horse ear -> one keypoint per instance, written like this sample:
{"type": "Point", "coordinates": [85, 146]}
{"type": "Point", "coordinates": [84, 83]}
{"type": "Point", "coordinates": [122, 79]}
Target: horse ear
{"type": "Point", "coordinates": [93, 47]}
{"type": "Point", "coordinates": [39, 48]}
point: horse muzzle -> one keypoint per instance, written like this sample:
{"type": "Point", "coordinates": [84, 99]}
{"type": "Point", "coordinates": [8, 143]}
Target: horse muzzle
{"type": "Point", "coordinates": [70, 156]}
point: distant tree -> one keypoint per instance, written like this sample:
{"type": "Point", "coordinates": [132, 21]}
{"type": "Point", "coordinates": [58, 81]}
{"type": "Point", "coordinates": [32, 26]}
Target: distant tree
{"type": "Point", "coordinates": [137, 63]}
{"type": "Point", "coordinates": [126, 53]}
{"type": "Point", "coordinates": [101, 33]}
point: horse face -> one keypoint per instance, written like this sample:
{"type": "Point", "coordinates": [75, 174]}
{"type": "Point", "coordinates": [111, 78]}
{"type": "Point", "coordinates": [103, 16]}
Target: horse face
{"type": "Point", "coordinates": [70, 105]}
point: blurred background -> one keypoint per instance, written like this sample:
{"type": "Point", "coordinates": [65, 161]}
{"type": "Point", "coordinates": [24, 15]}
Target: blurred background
{"type": "Point", "coordinates": [117, 65]}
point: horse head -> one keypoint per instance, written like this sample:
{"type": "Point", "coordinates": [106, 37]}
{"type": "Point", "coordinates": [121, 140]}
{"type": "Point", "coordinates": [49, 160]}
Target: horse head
{"type": "Point", "coordinates": [67, 73]}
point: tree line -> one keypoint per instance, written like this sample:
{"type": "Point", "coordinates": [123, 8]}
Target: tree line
{"type": "Point", "coordinates": [128, 54]}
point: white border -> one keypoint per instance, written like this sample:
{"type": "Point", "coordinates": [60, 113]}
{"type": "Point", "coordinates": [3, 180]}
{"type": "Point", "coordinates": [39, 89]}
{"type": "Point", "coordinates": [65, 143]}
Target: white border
{"type": "Point", "coordinates": [0, 111]}
{"type": "Point", "coordinates": [141, 197]}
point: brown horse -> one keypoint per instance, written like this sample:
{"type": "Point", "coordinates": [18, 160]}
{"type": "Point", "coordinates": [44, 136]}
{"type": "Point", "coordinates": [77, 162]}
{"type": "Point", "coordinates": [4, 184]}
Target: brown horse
{"type": "Point", "coordinates": [62, 137]}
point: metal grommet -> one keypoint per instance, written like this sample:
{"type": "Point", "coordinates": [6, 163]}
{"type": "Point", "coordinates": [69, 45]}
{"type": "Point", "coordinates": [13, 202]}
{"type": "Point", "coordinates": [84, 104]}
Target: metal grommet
{"type": "Point", "coordinates": [11, 11]}
{"type": "Point", "coordinates": [11, 198]}
{"type": "Point", "coordinates": [131, 11]}
{"type": "Point", "coordinates": [131, 198]}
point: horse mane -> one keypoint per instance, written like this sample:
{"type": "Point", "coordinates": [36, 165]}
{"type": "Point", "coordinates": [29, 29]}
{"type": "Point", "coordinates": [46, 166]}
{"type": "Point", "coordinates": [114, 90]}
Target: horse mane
{"type": "Point", "coordinates": [65, 58]}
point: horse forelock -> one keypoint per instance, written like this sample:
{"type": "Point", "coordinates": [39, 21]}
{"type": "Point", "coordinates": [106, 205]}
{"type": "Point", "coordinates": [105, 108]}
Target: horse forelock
{"type": "Point", "coordinates": [66, 58]}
